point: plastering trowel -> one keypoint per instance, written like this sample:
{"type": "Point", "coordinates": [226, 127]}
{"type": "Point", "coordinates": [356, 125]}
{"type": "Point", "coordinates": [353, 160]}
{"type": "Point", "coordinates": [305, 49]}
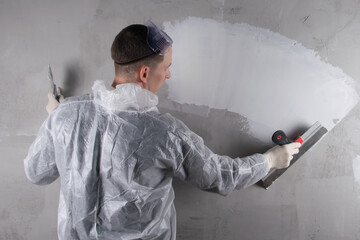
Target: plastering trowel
{"type": "Point", "coordinates": [307, 140]}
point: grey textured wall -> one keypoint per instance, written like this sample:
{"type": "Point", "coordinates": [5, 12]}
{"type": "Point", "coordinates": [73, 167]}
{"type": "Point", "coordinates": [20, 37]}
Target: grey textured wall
{"type": "Point", "coordinates": [318, 198]}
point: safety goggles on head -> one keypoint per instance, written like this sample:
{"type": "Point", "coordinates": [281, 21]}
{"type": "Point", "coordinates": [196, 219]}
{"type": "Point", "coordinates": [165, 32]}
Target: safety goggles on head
{"type": "Point", "coordinates": [157, 39]}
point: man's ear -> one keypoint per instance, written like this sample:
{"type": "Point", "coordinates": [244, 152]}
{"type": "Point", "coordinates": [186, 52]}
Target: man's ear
{"type": "Point", "coordinates": [144, 73]}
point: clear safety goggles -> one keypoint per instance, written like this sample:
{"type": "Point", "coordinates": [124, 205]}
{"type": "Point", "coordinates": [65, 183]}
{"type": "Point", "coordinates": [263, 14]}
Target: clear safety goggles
{"type": "Point", "coordinates": [157, 39]}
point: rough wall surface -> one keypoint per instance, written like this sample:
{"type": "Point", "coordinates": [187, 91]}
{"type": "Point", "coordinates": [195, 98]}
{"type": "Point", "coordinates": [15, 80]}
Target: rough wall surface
{"type": "Point", "coordinates": [318, 198]}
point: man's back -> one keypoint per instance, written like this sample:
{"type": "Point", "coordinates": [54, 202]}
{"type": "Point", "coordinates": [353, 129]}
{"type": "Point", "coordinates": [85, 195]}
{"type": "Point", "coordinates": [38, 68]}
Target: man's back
{"type": "Point", "coordinates": [115, 171]}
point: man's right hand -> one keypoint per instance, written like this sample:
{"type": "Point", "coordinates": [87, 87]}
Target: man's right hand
{"type": "Point", "coordinates": [280, 156]}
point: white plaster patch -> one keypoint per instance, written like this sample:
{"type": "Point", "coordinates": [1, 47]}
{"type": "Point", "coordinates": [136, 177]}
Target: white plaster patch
{"type": "Point", "coordinates": [273, 81]}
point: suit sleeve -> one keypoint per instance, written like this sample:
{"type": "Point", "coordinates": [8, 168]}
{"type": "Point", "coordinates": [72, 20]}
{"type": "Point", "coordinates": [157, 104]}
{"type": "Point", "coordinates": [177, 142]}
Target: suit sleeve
{"type": "Point", "coordinates": [199, 166]}
{"type": "Point", "coordinates": [39, 164]}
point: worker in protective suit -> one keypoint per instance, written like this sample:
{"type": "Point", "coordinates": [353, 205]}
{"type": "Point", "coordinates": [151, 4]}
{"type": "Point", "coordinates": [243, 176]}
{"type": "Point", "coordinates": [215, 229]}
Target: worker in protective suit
{"type": "Point", "coordinates": [116, 155]}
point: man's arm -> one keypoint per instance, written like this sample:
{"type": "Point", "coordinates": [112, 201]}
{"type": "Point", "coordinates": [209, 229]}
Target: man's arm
{"type": "Point", "coordinates": [198, 165]}
{"type": "Point", "coordinates": [39, 164]}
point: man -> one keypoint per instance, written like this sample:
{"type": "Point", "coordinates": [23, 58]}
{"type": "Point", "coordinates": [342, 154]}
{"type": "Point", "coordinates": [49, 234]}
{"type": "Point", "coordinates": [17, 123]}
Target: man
{"type": "Point", "coordinates": [116, 155]}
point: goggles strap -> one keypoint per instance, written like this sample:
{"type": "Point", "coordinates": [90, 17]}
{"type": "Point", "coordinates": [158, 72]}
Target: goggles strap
{"type": "Point", "coordinates": [135, 60]}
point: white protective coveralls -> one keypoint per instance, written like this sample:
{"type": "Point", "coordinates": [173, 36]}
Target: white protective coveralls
{"type": "Point", "coordinates": [116, 156]}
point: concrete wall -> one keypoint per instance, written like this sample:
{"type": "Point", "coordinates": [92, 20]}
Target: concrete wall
{"type": "Point", "coordinates": [318, 198]}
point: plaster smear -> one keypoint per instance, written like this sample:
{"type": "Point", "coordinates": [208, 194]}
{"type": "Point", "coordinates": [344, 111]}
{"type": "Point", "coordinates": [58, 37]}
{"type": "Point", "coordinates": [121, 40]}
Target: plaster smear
{"type": "Point", "coordinates": [273, 81]}
{"type": "Point", "coordinates": [356, 169]}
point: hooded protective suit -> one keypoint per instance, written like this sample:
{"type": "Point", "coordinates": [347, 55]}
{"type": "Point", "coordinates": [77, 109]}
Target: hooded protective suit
{"type": "Point", "coordinates": [116, 156]}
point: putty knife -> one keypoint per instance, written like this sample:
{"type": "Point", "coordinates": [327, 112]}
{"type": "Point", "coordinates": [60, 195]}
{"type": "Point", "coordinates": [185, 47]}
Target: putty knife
{"type": "Point", "coordinates": [308, 139]}
{"type": "Point", "coordinates": [52, 84]}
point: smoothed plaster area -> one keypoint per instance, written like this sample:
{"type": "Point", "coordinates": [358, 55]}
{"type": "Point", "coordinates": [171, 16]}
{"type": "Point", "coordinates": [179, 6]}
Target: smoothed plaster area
{"type": "Point", "coordinates": [273, 81]}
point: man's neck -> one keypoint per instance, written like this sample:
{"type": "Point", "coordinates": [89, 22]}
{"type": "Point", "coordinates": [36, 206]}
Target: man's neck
{"type": "Point", "coordinates": [121, 80]}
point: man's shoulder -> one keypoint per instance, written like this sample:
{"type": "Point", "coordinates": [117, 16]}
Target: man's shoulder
{"type": "Point", "coordinates": [71, 104]}
{"type": "Point", "coordinates": [174, 124]}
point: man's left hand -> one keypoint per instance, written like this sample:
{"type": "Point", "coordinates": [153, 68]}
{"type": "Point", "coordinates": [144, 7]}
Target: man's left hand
{"type": "Point", "coordinates": [53, 103]}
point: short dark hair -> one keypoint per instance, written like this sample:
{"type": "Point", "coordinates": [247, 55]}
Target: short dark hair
{"type": "Point", "coordinates": [130, 50]}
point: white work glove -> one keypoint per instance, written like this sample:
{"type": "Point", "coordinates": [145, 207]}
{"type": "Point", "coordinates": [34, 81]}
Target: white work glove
{"type": "Point", "coordinates": [53, 103]}
{"type": "Point", "coordinates": [280, 156]}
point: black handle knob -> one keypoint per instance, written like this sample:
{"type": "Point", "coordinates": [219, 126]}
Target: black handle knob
{"type": "Point", "coordinates": [280, 138]}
